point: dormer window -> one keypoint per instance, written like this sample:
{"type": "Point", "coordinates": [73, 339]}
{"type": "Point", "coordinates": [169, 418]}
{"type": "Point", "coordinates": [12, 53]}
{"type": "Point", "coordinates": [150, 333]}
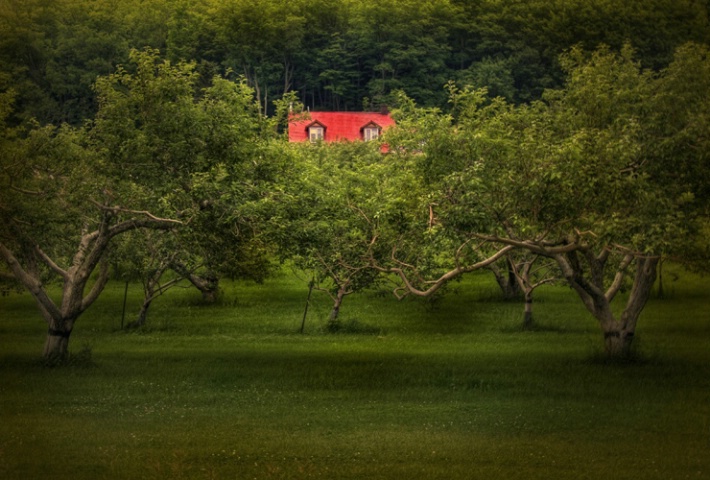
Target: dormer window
{"type": "Point", "coordinates": [371, 131]}
{"type": "Point", "coordinates": [326, 127]}
{"type": "Point", "coordinates": [316, 132]}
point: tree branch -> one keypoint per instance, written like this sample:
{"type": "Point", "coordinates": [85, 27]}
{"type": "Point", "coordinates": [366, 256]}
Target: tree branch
{"type": "Point", "coordinates": [26, 192]}
{"type": "Point", "coordinates": [448, 276]}
{"type": "Point", "coordinates": [569, 273]}
{"type": "Point", "coordinates": [31, 283]}
{"type": "Point", "coordinates": [162, 288]}
{"type": "Point", "coordinates": [152, 222]}
{"type": "Point", "coordinates": [321, 289]}
{"type": "Point", "coordinates": [640, 291]}
{"type": "Point", "coordinates": [97, 288]}
{"type": "Point", "coordinates": [150, 217]}
{"type": "Point", "coordinates": [618, 278]}
{"type": "Point", "coordinates": [50, 263]}
{"type": "Point", "coordinates": [535, 247]}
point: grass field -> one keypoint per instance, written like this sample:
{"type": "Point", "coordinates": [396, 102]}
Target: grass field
{"type": "Point", "coordinates": [408, 390]}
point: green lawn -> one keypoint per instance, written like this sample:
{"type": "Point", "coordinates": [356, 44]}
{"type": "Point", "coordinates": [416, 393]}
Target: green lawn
{"type": "Point", "coordinates": [411, 390]}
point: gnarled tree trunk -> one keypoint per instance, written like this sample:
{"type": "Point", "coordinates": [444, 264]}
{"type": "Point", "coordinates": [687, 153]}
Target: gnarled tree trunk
{"type": "Point", "coordinates": [56, 345]}
{"type": "Point", "coordinates": [89, 255]}
{"type": "Point", "coordinates": [618, 332]}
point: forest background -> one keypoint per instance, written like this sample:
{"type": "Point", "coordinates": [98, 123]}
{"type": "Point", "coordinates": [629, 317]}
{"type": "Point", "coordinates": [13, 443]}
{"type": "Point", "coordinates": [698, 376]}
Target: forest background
{"type": "Point", "coordinates": [336, 54]}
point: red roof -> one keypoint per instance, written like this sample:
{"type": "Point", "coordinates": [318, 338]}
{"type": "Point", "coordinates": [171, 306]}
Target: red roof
{"type": "Point", "coordinates": [338, 125]}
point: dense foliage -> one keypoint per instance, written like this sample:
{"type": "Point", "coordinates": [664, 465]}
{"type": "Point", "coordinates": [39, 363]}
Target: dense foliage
{"type": "Point", "coordinates": [337, 54]}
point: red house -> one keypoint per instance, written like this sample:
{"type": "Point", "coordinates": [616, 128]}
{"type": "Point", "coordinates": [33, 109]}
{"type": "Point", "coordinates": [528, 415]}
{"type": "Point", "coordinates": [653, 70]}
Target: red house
{"type": "Point", "coordinates": [339, 126]}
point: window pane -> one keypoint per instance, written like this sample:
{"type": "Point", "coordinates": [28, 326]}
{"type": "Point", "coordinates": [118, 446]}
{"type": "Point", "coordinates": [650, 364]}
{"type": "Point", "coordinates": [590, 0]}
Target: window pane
{"type": "Point", "coordinates": [315, 133]}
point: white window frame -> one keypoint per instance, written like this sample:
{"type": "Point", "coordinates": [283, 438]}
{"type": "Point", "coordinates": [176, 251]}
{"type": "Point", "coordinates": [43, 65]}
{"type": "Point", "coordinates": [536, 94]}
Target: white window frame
{"type": "Point", "coordinates": [371, 132]}
{"type": "Point", "coordinates": [316, 133]}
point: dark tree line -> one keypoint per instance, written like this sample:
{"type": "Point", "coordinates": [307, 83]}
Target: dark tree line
{"type": "Point", "coordinates": [337, 54]}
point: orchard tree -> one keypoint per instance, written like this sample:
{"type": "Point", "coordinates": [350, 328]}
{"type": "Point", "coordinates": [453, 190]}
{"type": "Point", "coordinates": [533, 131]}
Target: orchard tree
{"type": "Point", "coordinates": [208, 148]}
{"type": "Point", "coordinates": [141, 258]}
{"type": "Point", "coordinates": [67, 193]}
{"type": "Point", "coordinates": [428, 252]}
{"type": "Point", "coordinates": [589, 178]}
{"type": "Point", "coordinates": [61, 212]}
{"type": "Point", "coordinates": [149, 257]}
{"type": "Point", "coordinates": [327, 217]}
{"type": "Point", "coordinates": [644, 137]}
{"type": "Point", "coordinates": [520, 275]}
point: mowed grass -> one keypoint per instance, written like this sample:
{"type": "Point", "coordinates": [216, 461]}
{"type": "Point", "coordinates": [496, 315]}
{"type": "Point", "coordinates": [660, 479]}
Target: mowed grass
{"type": "Point", "coordinates": [408, 390]}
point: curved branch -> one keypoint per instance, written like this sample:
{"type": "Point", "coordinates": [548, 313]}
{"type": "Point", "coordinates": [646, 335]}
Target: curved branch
{"type": "Point", "coordinates": [50, 263]}
{"type": "Point", "coordinates": [97, 288]}
{"type": "Point", "coordinates": [152, 222]}
{"type": "Point", "coordinates": [535, 247]}
{"type": "Point", "coordinates": [619, 277]}
{"type": "Point", "coordinates": [32, 284]}
{"type": "Point", "coordinates": [325, 290]}
{"type": "Point", "coordinates": [450, 275]}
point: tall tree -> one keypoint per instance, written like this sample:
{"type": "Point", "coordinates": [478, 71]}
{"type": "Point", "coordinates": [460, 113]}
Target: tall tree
{"type": "Point", "coordinates": [261, 39]}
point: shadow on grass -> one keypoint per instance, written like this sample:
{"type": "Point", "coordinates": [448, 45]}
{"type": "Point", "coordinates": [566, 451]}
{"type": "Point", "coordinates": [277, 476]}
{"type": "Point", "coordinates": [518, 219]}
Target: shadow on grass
{"type": "Point", "coordinates": [638, 356]}
{"type": "Point", "coordinates": [79, 359]}
{"type": "Point", "coordinates": [520, 328]}
{"type": "Point", "coordinates": [352, 326]}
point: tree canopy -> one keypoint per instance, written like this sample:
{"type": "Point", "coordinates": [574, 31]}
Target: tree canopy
{"type": "Point", "coordinates": [341, 54]}
{"type": "Point", "coordinates": [69, 192]}
{"type": "Point", "coordinates": [588, 177]}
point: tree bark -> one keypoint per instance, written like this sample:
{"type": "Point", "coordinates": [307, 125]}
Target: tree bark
{"type": "Point", "coordinates": [506, 280]}
{"type": "Point", "coordinates": [617, 343]}
{"type": "Point", "coordinates": [528, 311]}
{"type": "Point", "coordinates": [88, 256]}
{"type": "Point", "coordinates": [335, 312]}
{"type": "Point", "coordinates": [210, 293]}
{"type": "Point", "coordinates": [142, 315]}
{"type": "Point", "coordinates": [56, 345]}
{"type": "Point", "coordinates": [618, 333]}
{"type": "Point", "coordinates": [208, 284]}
